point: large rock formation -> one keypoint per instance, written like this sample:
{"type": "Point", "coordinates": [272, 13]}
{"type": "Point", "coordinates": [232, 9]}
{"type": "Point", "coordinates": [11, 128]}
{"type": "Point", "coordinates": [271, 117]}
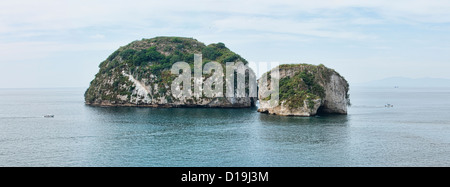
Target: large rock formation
{"type": "Point", "coordinates": [139, 74]}
{"type": "Point", "coordinates": [305, 90]}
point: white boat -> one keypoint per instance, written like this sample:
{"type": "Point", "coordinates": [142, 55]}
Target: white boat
{"type": "Point", "coordinates": [388, 106]}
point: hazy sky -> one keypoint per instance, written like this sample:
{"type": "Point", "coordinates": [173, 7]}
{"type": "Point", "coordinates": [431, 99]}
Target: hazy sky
{"type": "Point", "coordinates": [54, 43]}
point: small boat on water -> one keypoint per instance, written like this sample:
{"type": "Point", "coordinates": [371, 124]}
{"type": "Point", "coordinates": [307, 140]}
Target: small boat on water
{"type": "Point", "coordinates": [388, 106]}
{"type": "Point", "coordinates": [49, 116]}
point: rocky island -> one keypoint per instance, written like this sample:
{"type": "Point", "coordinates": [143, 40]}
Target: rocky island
{"type": "Point", "coordinates": [305, 90]}
{"type": "Point", "coordinates": [139, 74]}
{"type": "Point", "coordinates": [145, 73]}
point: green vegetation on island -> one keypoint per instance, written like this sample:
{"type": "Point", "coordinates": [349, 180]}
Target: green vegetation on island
{"type": "Point", "coordinates": [306, 84]}
{"type": "Point", "coordinates": [149, 61]}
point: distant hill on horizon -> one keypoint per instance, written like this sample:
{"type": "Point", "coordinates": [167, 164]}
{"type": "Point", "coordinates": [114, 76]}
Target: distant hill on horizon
{"type": "Point", "coordinates": [406, 82]}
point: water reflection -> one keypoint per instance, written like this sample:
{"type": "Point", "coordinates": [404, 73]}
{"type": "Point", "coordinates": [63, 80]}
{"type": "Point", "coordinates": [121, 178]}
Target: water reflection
{"type": "Point", "coordinates": [299, 138]}
{"type": "Point", "coordinates": [324, 119]}
{"type": "Point", "coordinates": [184, 116]}
{"type": "Point", "coordinates": [182, 135]}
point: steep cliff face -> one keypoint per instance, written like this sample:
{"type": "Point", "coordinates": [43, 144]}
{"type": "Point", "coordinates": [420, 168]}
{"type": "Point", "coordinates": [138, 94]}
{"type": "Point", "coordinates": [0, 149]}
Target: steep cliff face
{"type": "Point", "coordinates": [139, 74]}
{"type": "Point", "coordinates": [305, 90]}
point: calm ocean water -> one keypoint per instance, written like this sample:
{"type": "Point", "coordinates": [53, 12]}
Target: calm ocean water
{"type": "Point", "coordinates": [415, 132]}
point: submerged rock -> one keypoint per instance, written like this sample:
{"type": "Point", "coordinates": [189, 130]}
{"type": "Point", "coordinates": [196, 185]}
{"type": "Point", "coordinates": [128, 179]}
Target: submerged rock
{"type": "Point", "coordinates": [305, 90]}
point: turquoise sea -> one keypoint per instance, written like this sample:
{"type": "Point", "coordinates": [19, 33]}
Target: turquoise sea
{"type": "Point", "coordinates": [415, 132]}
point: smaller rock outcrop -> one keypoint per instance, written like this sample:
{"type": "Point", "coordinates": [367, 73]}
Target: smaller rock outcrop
{"type": "Point", "coordinates": [305, 90]}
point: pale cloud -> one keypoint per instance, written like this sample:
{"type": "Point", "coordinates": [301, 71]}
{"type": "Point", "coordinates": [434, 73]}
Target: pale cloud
{"type": "Point", "coordinates": [33, 31]}
{"type": "Point", "coordinates": [328, 28]}
{"type": "Point", "coordinates": [35, 52]}
{"type": "Point", "coordinates": [98, 36]}
{"type": "Point", "coordinates": [319, 18]}
{"type": "Point", "coordinates": [59, 15]}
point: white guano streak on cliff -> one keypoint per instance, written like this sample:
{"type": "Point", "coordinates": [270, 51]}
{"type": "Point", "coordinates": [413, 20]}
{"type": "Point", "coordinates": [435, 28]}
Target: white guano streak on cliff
{"type": "Point", "coordinates": [141, 90]}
